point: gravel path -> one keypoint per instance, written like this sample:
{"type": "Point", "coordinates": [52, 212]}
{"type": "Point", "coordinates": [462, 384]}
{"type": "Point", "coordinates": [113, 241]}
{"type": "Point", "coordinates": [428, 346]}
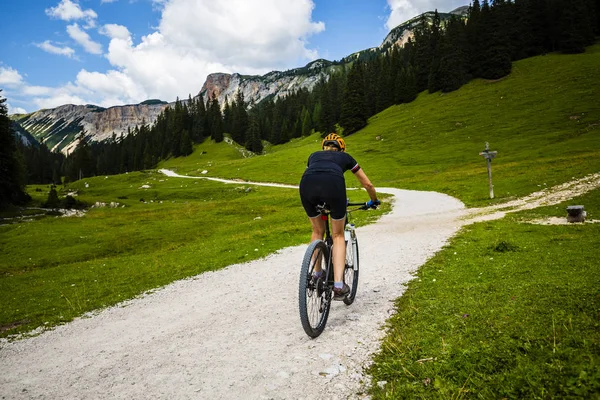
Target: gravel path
{"type": "Point", "coordinates": [236, 333]}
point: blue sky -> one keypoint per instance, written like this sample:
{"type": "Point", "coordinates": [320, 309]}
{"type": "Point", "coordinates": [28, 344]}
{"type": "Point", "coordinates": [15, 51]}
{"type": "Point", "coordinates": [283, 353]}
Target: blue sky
{"type": "Point", "coordinates": [113, 52]}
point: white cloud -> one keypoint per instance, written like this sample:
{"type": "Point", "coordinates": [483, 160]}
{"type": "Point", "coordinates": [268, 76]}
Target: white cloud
{"type": "Point", "coordinates": [36, 90]}
{"type": "Point", "coordinates": [403, 10]}
{"type": "Point", "coordinates": [15, 110]}
{"type": "Point", "coordinates": [10, 77]}
{"type": "Point", "coordinates": [115, 31]}
{"type": "Point", "coordinates": [81, 37]}
{"type": "Point", "coordinates": [257, 34]}
{"type": "Point", "coordinates": [107, 1]}
{"type": "Point", "coordinates": [194, 38]}
{"type": "Point", "coordinates": [47, 46]}
{"type": "Point", "coordinates": [60, 98]}
{"type": "Point", "coordinates": [66, 10]}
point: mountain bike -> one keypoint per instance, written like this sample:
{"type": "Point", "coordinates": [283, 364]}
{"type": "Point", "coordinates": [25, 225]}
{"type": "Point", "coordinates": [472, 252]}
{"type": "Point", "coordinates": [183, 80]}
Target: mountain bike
{"type": "Point", "coordinates": [316, 292]}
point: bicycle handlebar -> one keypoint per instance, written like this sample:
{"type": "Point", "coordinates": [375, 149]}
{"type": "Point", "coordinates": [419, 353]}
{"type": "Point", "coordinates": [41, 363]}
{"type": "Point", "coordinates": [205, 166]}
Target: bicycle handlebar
{"type": "Point", "coordinates": [361, 206]}
{"type": "Point", "coordinates": [324, 209]}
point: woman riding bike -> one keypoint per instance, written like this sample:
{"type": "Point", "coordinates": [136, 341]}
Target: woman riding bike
{"type": "Point", "coordinates": [323, 182]}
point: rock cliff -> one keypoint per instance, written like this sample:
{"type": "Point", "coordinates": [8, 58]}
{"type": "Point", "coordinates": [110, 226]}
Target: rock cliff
{"type": "Point", "coordinates": [59, 127]}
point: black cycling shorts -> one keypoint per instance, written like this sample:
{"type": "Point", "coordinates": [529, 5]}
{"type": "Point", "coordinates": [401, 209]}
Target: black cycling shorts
{"type": "Point", "coordinates": [318, 188]}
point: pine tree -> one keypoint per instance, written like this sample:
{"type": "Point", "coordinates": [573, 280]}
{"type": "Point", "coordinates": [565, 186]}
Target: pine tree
{"type": "Point", "coordinates": [475, 30]}
{"type": "Point", "coordinates": [385, 85]}
{"type": "Point", "coordinates": [423, 53]}
{"type": "Point", "coordinates": [496, 56]}
{"type": "Point", "coordinates": [239, 119]}
{"type": "Point", "coordinates": [353, 115]}
{"type": "Point", "coordinates": [12, 173]}
{"type": "Point", "coordinates": [198, 121]}
{"type": "Point", "coordinates": [327, 119]}
{"type": "Point", "coordinates": [186, 144]}
{"type": "Point", "coordinates": [576, 26]}
{"type": "Point", "coordinates": [453, 56]}
{"type": "Point", "coordinates": [253, 142]}
{"type": "Point", "coordinates": [316, 116]}
{"type": "Point", "coordinates": [434, 82]}
{"type": "Point", "coordinates": [52, 201]}
{"type": "Point", "coordinates": [407, 86]}
{"type": "Point", "coordinates": [306, 122]}
{"type": "Point", "coordinates": [216, 121]}
{"type": "Point", "coordinates": [227, 116]}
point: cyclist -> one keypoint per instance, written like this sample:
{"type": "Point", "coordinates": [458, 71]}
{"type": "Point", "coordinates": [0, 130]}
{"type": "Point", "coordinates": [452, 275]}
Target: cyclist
{"type": "Point", "coordinates": [323, 181]}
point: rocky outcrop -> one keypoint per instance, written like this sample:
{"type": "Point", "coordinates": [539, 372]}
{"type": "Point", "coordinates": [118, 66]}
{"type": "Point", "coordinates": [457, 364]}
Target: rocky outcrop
{"type": "Point", "coordinates": [400, 34]}
{"type": "Point", "coordinates": [120, 119]}
{"type": "Point", "coordinates": [59, 127]}
{"type": "Point", "coordinates": [257, 88]}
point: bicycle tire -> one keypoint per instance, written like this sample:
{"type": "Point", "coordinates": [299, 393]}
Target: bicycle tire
{"type": "Point", "coordinates": [351, 270]}
{"type": "Point", "coordinates": [314, 299]}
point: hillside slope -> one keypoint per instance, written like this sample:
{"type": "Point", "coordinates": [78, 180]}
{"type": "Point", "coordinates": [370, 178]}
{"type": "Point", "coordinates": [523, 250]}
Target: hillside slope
{"type": "Point", "coordinates": [544, 118]}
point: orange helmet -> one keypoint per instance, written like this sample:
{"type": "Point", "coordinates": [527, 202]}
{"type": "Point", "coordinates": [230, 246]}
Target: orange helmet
{"type": "Point", "coordinates": [333, 139]}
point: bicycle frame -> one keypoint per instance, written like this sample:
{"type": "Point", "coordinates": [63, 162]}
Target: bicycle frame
{"type": "Point", "coordinates": [328, 239]}
{"type": "Point", "coordinates": [316, 291]}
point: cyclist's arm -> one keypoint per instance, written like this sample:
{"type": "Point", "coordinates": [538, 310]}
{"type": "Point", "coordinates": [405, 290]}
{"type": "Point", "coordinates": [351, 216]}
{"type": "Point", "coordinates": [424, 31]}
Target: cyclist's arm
{"type": "Point", "coordinates": [366, 183]}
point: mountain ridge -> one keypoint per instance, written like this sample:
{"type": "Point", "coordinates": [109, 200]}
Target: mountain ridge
{"type": "Point", "coordinates": [60, 127]}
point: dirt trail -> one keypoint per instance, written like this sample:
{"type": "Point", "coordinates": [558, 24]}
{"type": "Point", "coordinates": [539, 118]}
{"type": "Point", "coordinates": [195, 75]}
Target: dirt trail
{"type": "Point", "coordinates": [235, 333]}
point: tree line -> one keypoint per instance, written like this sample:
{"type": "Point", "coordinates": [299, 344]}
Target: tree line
{"type": "Point", "coordinates": [442, 56]}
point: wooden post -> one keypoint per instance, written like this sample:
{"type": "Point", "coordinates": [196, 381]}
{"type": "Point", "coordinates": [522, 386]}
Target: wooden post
{"type": "Point", "coordinates": [489, 156]}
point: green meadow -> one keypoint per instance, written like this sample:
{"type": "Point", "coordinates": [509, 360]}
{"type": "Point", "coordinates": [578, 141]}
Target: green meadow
{"type": "Point", "coordinates": [508, 309]}
{"type": "Point", "coordinates": [543, 120]}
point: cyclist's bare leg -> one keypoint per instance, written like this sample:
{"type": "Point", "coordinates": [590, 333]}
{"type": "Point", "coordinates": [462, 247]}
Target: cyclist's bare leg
{"type": "Point", "coordinates": [339, 249]}
{"type": "Point", "coordinates": [318, 231]}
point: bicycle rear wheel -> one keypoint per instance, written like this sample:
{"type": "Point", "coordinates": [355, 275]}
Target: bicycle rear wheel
{"type": "Point", "coordinates": [314, 297]}
{"type": "Point", "coordinates": [351, 269]}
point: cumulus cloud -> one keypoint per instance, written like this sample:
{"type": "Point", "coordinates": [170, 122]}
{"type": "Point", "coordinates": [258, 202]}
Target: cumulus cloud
{"type": "Point", "coordinates": [259, 34]}
{"type": "Point", "coordinates": [115, 31]}
{"type": "Point", "coordinates": [403, 10]}
{"type": "Point", "coordinates": [83, 39]}
{"type": "Point", "coordinates": [36, 90]}
{"type": "Point", "coordinates": [15, 110]}
{"type": "Point", "coordinates": [10, 77]}
{"type": "Point", "coordinates": [48, 47]}
{"type": "Point", "coordinates": [193, 38]}
{"type": "Point", "coordinates": [61, 97]}
{"type": "Point", "coordinates": [66, 10]}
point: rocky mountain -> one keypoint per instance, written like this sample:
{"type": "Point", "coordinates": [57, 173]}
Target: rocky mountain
{"type": "Point", "coordinates": [59, 127]}
{"type": "Point", "coordinates": [274, 84]}
{"type": "Point", "coordinates": [400, 34]}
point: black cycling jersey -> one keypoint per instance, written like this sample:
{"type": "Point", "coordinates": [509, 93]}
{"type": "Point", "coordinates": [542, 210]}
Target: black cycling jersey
{"type": "Point", "coordinates": [323, 181]}
{"type": "Point", "coordinates": [331, 162]}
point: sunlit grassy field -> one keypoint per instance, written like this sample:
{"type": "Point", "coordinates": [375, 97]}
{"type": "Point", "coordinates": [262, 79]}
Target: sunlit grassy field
{"type": "Point", "coordinates": [509, 309]}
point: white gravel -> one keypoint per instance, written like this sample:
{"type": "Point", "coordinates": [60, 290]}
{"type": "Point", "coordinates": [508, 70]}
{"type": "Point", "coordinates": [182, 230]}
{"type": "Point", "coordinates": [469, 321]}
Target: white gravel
{"type": "Point", "coordinates": [236, 333]}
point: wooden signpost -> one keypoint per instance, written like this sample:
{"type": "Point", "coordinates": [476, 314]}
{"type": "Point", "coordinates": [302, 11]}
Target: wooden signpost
{"type": "Point", "coordinates": [489, 156]}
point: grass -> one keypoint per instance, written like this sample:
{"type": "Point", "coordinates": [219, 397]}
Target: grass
{"type": "Point", "coordinates": [55, 269]}
{"type": "Point", "coordinates": [508, 309]}
{"type": "Point", "coordinates": [543, 119]}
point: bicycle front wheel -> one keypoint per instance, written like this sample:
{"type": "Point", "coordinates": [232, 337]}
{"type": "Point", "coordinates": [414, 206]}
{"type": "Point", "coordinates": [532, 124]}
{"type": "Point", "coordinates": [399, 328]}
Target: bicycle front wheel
{"type": "Point", "coordinates": [313, 295]}
{"type": "Point", "coordinates": [351, 269]}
